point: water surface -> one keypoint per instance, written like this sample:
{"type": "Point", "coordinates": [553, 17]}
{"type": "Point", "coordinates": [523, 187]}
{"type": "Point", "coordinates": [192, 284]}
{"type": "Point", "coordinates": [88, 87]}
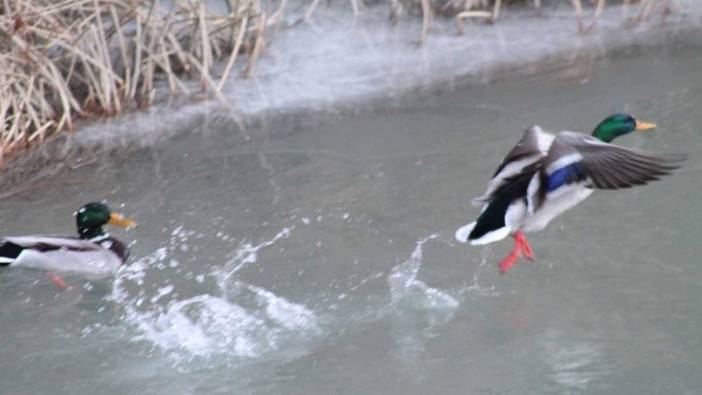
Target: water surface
{"type": "Point", "coordinates": [318, 256]}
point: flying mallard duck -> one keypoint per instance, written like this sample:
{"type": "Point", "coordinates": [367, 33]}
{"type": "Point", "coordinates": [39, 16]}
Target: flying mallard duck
{"type": "Point", "coordinates": [545, 175]}
{"type": "Point", "coordinates": [92, 252]}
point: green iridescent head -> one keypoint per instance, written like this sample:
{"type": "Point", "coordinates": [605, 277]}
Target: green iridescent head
{"type": "Point", "coordinates": [617, 125]}
{"type": "Point", "coordinates": [91, 218]}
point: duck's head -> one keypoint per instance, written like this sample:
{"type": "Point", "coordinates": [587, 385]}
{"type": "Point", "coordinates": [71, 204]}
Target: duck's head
{"type": "Point", "coordinates": [91, 218]}
{"type": "Point", "coordinates": [617, 125]}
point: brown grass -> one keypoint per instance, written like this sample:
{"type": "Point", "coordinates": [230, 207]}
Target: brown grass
{"type": "Point", "coordinates": [489, 10]}
{"type": "Point", "coordinates": [66, 59]}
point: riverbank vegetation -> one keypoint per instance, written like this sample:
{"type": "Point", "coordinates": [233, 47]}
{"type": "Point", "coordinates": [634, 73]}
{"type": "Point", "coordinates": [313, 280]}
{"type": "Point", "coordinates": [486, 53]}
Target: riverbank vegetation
{"type": "Point", "coordinates": [64, 60]}
{"type": "Point", "coordinates": [634, 11]}
{"type": "Point", "coordinates": [72, 59]}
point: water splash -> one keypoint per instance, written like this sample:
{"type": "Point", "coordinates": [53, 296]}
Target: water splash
{"type": "Point", "coordinates": [289, 315]}
{"type": "Point", "coordinates": [477, 288]}
{"type": "Point", "coordinates": [417, 310]}
{"type": "Point", "coordinates": [203, 326]}
{"type": "Point", "coordinates": [242, 322]}
{"type": "Point", "coordinates": [244, 255]}
{"type": "Point", "coordinates": [407, 290]}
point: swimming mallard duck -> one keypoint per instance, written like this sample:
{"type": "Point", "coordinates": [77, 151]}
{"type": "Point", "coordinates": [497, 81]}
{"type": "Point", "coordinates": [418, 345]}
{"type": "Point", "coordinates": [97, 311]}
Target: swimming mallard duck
{"type": "Point", "coordinates": [545, 175]}
{"type": "Point", "coordinates": [92, 252]}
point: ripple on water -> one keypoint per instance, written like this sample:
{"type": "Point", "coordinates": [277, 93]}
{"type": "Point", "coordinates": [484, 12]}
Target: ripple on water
{"type": "Point", "coordinates": [574, 363]}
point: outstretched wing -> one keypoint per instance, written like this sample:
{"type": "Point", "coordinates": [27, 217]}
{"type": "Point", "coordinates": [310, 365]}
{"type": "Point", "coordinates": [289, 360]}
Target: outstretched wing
{"type": "Point", "coordinates": [575, 157]}
{"type": "Point", "coordinates": [533, 146]}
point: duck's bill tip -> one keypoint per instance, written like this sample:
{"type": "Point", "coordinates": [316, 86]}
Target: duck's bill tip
{"type": "Point", "coordinates": [119, 220]}
{"type": "Point", "coordinates": [643, 126]}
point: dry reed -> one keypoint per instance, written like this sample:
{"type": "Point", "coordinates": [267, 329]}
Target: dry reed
{"type": "Point", "coordinates": [69, 59]}
{"type": "Point", "coordinates": [489, 10]}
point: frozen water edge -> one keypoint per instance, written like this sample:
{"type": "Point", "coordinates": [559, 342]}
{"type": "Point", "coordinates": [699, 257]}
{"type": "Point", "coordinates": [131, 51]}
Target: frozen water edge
{"type": "Point", "coordinates": [337, 60]}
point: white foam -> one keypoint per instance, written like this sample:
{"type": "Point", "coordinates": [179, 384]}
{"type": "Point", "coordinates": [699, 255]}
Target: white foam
{"type": "Point", "coordinates": [204, 326]}
{"type": "Point", "coordinates": [255, 323]}
{"type": "Point", "coordinates": [287, 314]}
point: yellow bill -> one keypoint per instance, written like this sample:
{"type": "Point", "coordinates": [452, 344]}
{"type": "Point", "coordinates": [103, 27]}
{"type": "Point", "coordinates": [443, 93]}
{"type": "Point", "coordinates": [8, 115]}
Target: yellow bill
{"type": "Point", "coordinates": [641, 126]}
{"type": "Point", "coordinates": [119, 220]}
